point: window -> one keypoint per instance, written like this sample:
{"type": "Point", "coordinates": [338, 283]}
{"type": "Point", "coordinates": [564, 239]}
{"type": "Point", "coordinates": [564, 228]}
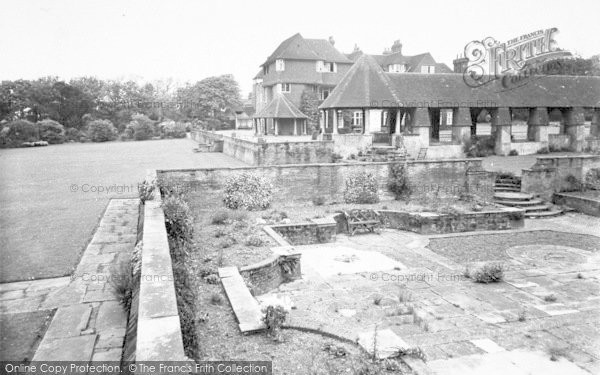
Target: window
{"type": "Point", "coordinates": [357, 118]}
{"type": "Point", "coordinates": [324, 94]}
{"type": "Point", "coordinates": [279, 65]}
{"type": "Point", "coordinates": [329, 67]}
{"type": "Point", "coordinates": [286, 87]}
{"type": "Point", "coordinates": [396, 68]}
{"type": "Point", "coordinates": [427, 69]}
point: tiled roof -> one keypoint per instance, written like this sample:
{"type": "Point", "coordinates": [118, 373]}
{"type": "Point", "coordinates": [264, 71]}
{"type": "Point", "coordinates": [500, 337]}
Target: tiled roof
{"type": "Point", "coordinates": [280, 107]}
{"type": "Point", "coordinates": [413, 62]}
{"type": "Point", "coordinates": [367, 85]}
{"type": "Point", "coordinates": [298, 48]}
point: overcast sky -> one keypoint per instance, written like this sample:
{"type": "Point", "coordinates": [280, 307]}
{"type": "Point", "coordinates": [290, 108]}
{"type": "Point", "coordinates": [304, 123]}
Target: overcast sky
{"type": "Point", "coordinates": [190, 40]}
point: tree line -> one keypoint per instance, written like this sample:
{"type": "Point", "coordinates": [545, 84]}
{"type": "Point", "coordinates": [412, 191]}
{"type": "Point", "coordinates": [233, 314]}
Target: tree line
{"type": "Point", "coordinates": [91, 109]}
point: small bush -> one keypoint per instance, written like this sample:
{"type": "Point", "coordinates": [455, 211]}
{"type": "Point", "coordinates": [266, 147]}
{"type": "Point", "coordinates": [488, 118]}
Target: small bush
{"type": "Point", "coordinates": [140, 128]}
{"type": "Point", "coordinates": [101, 131]}
{"type": "Point", "coordinates": [362, 188]}
{"type": "Point", "coordinates": [220, 217]}
{"type": "Point", "coordinates": [592, 179]}
{"type": "Point", "coordinates": [178, 219]}
{"type": "Point", "coordinates": [172, 129]}
{"type": "Point", "coordinates": [51, 131]}
{"type": "Point", "coordinates": [543, 150]}
{"type": "Point", "coordinates": [254, 241]}
{"type": "Point", "coordinates": [318, 201]}
{"type": "Point", "coordinates": [574, 184]}
{"type": "Point", "coordinates": [170, 186]}
{"type": "Point", "coordinates": [248, 191]}
{"type": "Point", "coordinates": [550, 298]}
{"type": "Point", "coordinates": [274, 318]}
{"type": "Point", "coordinates": [513, 153]}
{"type": "Point", "coordinates": [479, 146]}
{"type": "Point", "coordinates": [522, 316]}
{"type": "Point", "coordinates": [489, 273]}
{"type": "Point", "coordinates": [146, 191]}
{"type": "Point", "coordinates": [15, 133]}
{"type": "Point", "coordinates": [72, 134]}
{"type": "Point", "coordinates": [398, 183]}
{"type": "Point", "coordinates": [123, 282]}
{"type": "Point", "coordinates": [556, 352]}
{"type": "Point", "coordinates": [216, 299]}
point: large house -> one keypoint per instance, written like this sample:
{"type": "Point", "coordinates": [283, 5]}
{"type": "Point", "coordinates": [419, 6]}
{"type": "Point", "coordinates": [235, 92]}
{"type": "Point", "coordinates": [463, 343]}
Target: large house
{"type": "Point", "coordinates": [299, 64]}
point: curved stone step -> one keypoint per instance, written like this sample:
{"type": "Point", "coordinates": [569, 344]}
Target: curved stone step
{"type": "Point", "coordinates": [543, 214]}
{"type": "Point", "coordinates": [507, 185]}
{"type": "Point", "coordinates": [537, 208]}
{"type": "Point", "coordinates": [513, 196]}
{"type": "Point", "coordinates": [507, 189]}
{"type": "Point", "coordinates": [520, 204]}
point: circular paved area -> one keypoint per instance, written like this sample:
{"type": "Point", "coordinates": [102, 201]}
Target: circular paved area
{"type": "Point", "coordinates": [550, 255]}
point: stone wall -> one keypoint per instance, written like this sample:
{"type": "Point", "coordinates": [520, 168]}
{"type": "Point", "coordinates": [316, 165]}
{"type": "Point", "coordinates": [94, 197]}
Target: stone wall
{"type": "Point", "coordinates": [269, 153]}
{"type": "Point", "coordinates": [559, 141]}
{"type": "Point", "coordinates": [427, 178]}
{"type": "Point", "coordinates": [549, 174]}
{"type": "Point", "coordinates": [307, 233]}
{"type": "Point", "coordinates": [579, 201]}
{"type": "Point", "coordinates": [348, 144]}
{"type": "Point", "coordinates": [527, 148]}
{"type": "Point", "coordinates": [267, 275]}
{"type": "Point", "coordinates": [432, 223]}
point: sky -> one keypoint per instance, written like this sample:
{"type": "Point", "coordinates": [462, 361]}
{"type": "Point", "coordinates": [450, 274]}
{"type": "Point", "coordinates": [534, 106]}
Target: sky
{"type": "Point", "coordinates": [190, 40]}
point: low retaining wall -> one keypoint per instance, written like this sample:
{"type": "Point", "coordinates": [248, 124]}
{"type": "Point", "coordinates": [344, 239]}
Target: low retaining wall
{"type": "Point", "coordinates": [579, 202]}
{"type": "Point", "coordinates": [559, 141]}
{"type": "Point", "coordinates": [427, 178]}
{"type": "Point", "coordinates": [351, 144]}
{"type": "Point", "coordinates": [159, 336]}
{"type": "Point", "coordinates": [307, 233]}
{"type": "Point", "coordinates": [527, 148]}
{"type": "Point", "coordinates": [269, 274]}
{"type": "Point", "coordinates": [432, 223]}
{"type": "Point", "coordinates": [270, 153]}
{"type": "Point", "coordinates": [549, 174]}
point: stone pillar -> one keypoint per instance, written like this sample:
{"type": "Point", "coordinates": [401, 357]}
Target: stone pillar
{"type": "Point", "coordinates": [575, 126]}
{"type": "Point", "coordinates": [366, 121]}
{"type": "Point", "coordinates": [398, 121]}
{"type": "Point", "coordinates": [374, 116]}
{"type": "Point", "coordinates": [334, 126]}
{"type": "Point", "coordinates": [322, 120]}
{"type": "Point", "coordinates": [295, 127]}
{"type": "Point", "coordinates": [537, 125]}
{"type": "Point", "coordinates": [501, 121]}
{"type": "Point", "coordinates": [421, 124]}
{"type": "Point", "coordinates": [461, 124]}
{"type": "Point", "coordinates": [595, 126]}
{"type": "Point", "coordinates": [276, 126]}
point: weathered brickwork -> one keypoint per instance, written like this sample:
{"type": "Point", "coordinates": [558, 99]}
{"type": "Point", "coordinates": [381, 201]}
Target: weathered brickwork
{"type": "Point", "coordinates": [430, 223]}
{"type": "Point", "coordinates": [267, 275]}
{"type": "Point", "coordinates": [307, 233]}
{"type": "Point", "coordinates": [587, 205]}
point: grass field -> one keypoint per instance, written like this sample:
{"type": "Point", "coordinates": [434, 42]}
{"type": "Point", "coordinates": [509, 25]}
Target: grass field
{"type": "Point", "coordinates": [51, 198]}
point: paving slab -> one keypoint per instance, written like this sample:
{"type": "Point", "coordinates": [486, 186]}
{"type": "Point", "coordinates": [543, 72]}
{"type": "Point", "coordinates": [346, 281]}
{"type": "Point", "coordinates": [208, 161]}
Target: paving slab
{"type": "Point", "coordinates": [110, 315]}
{"type": "Point", "coordinates": [69, 321]}
{"type": "Point", "coordinates": [71, 349]}
{"type": "Point", "coordinates": [385, 342]}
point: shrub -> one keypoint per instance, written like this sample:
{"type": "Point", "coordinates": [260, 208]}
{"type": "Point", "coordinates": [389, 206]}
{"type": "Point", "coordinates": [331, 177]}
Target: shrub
{"type": "Point", "coordinates": [220, 217]}
{"type": "Point", "coordinates": [479, 146]}
{"type": "Point", "coordinates": [362, 188]}
{"type": "Point", "coordinates": [123, 282]}
{"type": "Point", "coordinates": [101, 131]}
{"type": "Point", "coordinates": [72, 134]}
{"type": "Point", "coordinates": [248, 191]}
{"type": "Point", "coordinates": [318, 201]}
{"type": "Point", "coordinates": [172, 129]}
{"type": "Point", "coordinates": [178, 219]}
{"type": "Point", "coordinates": [513, 153]}
{"type": "Point", "coordinates": [543, 150]}
{"type": "Point", "coordinates": [51, 131]}
{"type": "Point", "coordinates": [274, 318]}
{"type": "Point", "coordinates": [550, 298]}
{"type": "Point", "coordinates": [254, 241]}
{"type": "Point", "coordinates": [592, 179]}
{"type": "Point", "coordinates": [140, 128]}
{"type": "Point", "coordinates": [15, 133]}
{"type": "Point", "coordinates": [171, 186]}
{"type": "Point", "coordinates": [489, 273]}
{"type": "Point", "coordinates": [398, 183]}
{"type": "Point", "coordinates": [146, 191]}
{"type": "Point", "coordinates": [216, 299]}
{"type": "Point", "coordinates": [574, 184]}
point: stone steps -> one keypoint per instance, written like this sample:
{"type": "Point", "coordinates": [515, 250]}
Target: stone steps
{"type": "Point", "coordinates": [245, 306]}
{"type": "Point", "coordinates": [507, 189]}
{"type": "Point", "coordinates": [521, 203]}
{"type": "Point", "coordinates": [512, 196]}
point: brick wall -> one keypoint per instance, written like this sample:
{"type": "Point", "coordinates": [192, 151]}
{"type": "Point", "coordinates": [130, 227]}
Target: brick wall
{"type": "Point", "coordinates": [444, 178]}
{"type": "Point", "coordinates": [306, 233]}
{"type": "Point", "coordinates": [588, 205]}
{"type": "Point", "coordinates": [267, 275]}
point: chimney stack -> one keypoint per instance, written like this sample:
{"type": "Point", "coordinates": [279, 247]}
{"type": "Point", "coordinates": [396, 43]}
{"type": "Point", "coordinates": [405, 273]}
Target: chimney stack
{"type": "Point", "coordinates": [332, 41]}
{"type": "Point", "coordinates": [397, 47]}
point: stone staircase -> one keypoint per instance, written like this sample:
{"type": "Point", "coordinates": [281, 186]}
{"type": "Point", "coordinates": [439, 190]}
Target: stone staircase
{"type": "Point", "coordinates": [382, 153]}
{"type": "Point", "coordinates": [507, 192]}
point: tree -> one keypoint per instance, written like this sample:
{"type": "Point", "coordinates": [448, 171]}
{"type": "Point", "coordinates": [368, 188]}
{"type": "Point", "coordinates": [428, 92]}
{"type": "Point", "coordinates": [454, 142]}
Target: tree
{"type": "Point", "coordinates": [575, 67]}
{"type": "Point", "coordinates": [51, 131]}
{"type": "Point", "coordinates": [101, 131]}
{"type": "Point", "coordinates": [140, 128]}
{"type": "Point", "coordinates": [15, 133]}
{"type": "Point", "coordinates": [309, 105]}
{"type": "Point", "coordinates": [210, 97]}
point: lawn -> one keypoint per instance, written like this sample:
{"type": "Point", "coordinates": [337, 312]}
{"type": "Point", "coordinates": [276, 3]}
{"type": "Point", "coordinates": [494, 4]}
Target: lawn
{"type": "Point", "coordinates": [45, 225]}
{"type": "Point", "coordinates": [22, 333]}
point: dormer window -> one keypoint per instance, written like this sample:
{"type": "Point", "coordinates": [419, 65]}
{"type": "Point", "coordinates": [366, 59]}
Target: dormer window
{"type": "Point", "coordinates": [396, 68]}
{"type": "Point", "coordinates": [279, 65]}
{"type": "Point", "coordinates": [427, 69]}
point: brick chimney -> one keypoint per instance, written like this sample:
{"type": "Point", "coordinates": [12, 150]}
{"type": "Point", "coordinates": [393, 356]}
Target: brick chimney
{"type": "Point", "coordinates": [397, 47]}
{"type": "Point", "coordinates": [332, 41]}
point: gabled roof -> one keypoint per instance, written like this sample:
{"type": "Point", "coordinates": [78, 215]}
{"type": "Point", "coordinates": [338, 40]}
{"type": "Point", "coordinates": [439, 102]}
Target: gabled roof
{"type": "Point", "coordinates": [365, 83]}
{"type": "Point", "coordinates": [391, 90]}
{"type": "Point", "coordinates": [298, 48]}
{"type": "Point", "coordinates": [280, 107]}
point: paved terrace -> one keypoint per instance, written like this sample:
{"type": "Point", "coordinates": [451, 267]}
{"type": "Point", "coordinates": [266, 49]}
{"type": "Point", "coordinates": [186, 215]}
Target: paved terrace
{"type": "Point", "coordinates": [365, 283]}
